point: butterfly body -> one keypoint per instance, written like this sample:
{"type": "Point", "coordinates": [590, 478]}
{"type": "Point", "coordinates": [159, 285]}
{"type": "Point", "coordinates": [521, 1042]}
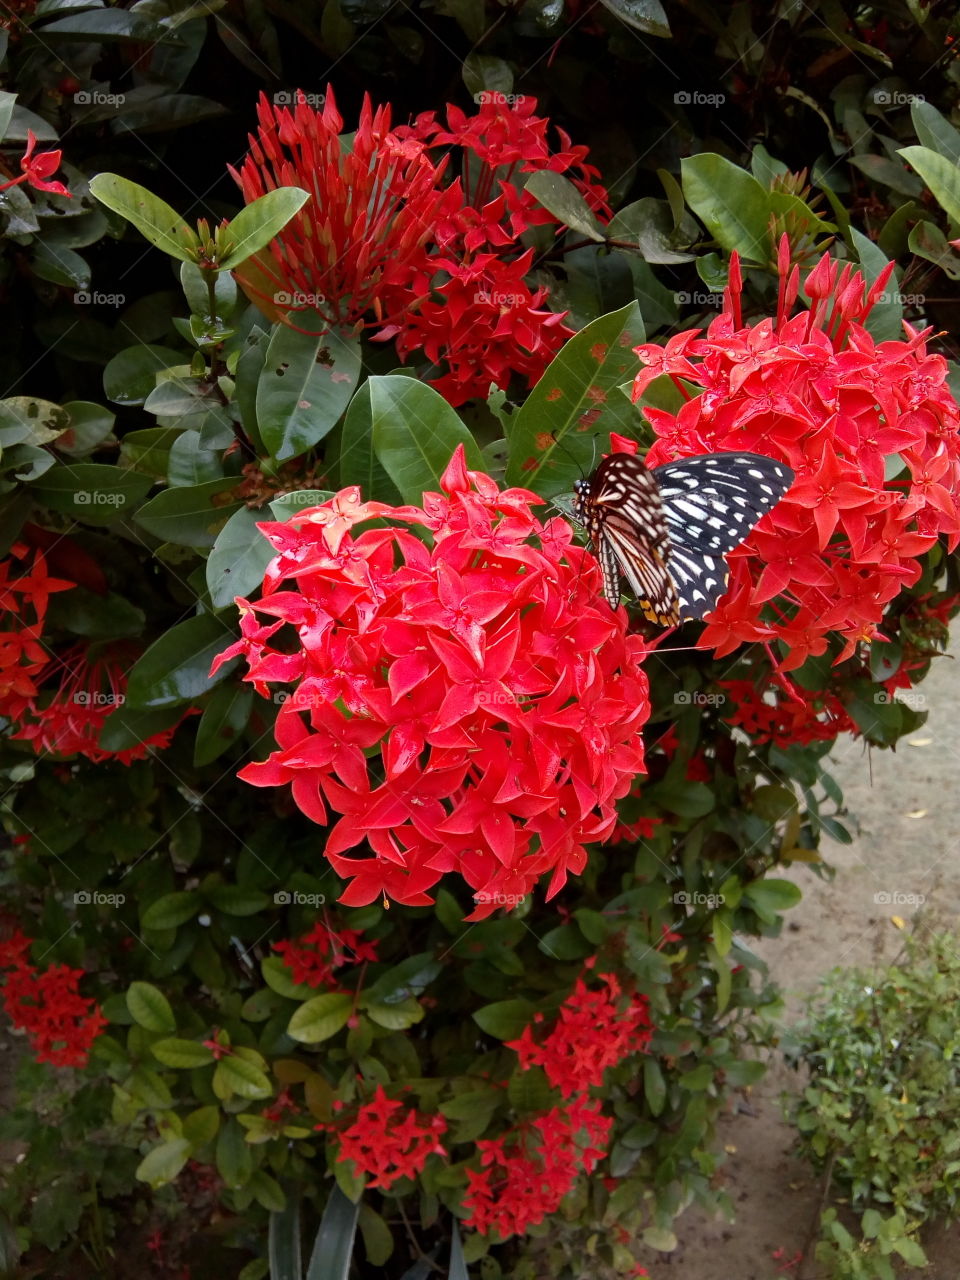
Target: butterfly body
{"type": "Point", "coordinates": [668, 529]}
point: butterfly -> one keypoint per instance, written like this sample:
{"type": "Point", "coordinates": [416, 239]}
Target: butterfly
{"type": "Point", "coordinates": [668, 528]}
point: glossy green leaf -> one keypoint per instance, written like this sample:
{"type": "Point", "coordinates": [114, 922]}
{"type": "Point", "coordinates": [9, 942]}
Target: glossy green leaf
{"type": "Point", "coordinates": [234, 1157]}
{"type": "Point", "coordinates": [283, 1242]}
{"type": "Point", "coordinates": [132, 373]}
{"type": "Point", "coordinates": [648, 16]}
{"type": "Point", "coordinates": [171, 911]}
{"type": "Point", "coordinates": [304, 387]}
{"type": "Point", "coordinates": [648, 223]}
{"type": "Point", "coordinates": [255, 226]}
{"type": "Point", "coordinates": [89, 425]}
{"type": "Point", "coordinates": [150, 1008]}
{"type": "Point", "coordinates": [237, 899]}
{"type": "Point", "coordinates": [333, 1248]}
{"type": "Point", "coordinates": [577, 398]}
{"type": "Point", "coordinates": [560, 197]}
{"type": "Point", "coordinates": [941, 175]}
{"type": "Point", "coordinates": [505, 1019]}
{"type": "Point", "coordinates": [128, 727]}
{"type": "Point", "coordinates": [152, 217]}
{"type": "Point", "coordinates": [730, 203]}
{"type": "Point", "coordinates": [415, 433]}
{"type": "Point", "coordinates": [295, 503]}
{"type": "Point", "coordinates": [108, 25]}
{"type": "Point", "coordinates": [163, 1163]}
{"type": "Point", "coordinates": [935, 132]}
{"type": "Point", "coordinates": [241, 553]}
{"type": "Point", "coordinates": [770, 897]}
{"type": "Point", "coordinates": [356, 457]}
{"type": "Point", "coordinates": [190, 515]}
{"type": "Point", "coordinates": [176, 667]}
{"type": "Point", "coordinates": [320, 1018]}
{"type": "Point", "coordinates": [181, 1054]}
{"type": "Point", "coordinates": [91, 492]}
{"type": "Point", "coordinates": [224, 718]}
{"type": "Point", "coordinates": [27, 420]}
{"type": "Point", "coordinates": [240, 1079]}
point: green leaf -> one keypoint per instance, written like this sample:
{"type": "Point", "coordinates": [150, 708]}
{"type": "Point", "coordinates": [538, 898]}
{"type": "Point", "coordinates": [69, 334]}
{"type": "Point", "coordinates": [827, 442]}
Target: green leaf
{"type": "Point", "coordinates": [415, 433]}
{"type": "Point", "coordinates": [234, 1076]}
{"type": "Point", "coordinates": [304, 387]}
{"type": "Point", "coordinates": [255, 226]}
{"type": "Point", "coordinates": [283, 1242]}
{"type": "Point", "coordinates": [942, 176]}
{"type": "Point", "coordinates": [277, 977]}
{"type": "Point", "coordinates": [649, 223]}
{"type": "Point", "coordinates": [770, 897]}
{"type": "Point", "coordinates": [224, 718]}
{"type": "Point", "coordinates": [356, 458]}
{"type": "Point", "coordinates": [237, 899]}
{"type": "Point", "coordinates": [406, 979]}
{"type": "Point", "coordinates": [127, 727]}
{"type": "Point", "coordinates": [910, 1251]}
{"type": "Point", "coordinates": [458, 1265]}
{"type": "Point", "coordinates": [7, 101]}
{"type": "Point", "coordinates": [60, 265]}
{"type": "Point", "coordinates": [201, 1126]}
{"type": "Point", "coordinates": [182, 1054]}
{"type": "Point", "coordinates": [321, 1017]}
{"type": "Point", "coordinates": [296, 502]}
{"type": "Point", "coordinates": [150, 1008]}
{"type": "Point", "coordinates": [91, 492]}
{"type": "Point", "coordinates": [188, 515]}
{"type": "Point", "coordinates": [152, 217]}
{"type": "Point", "coordinates": [101, 25]}
{"type": "Point", "coordinates": [27, 420]}
{"type": "Point", "coordinates": [934, 131]}
{"type": "Point", "coordinates": [774, 802]}
{"type": "Point", "coordinates": [170, 911]}
{"type": "Point", "coordinates": [90, 425]}
{"type": "Point", "coordinates": [396, 1017]}
{"type": "Point", "coordinates": [644, 15]}
{"type": "Point", "coordinates": [654, 1086]}
{"type": "Point", "coordinates": [730, 203]}
{"type": "Point", "coordinates": [333, 1248]}
{"type": "Point", "coordinates": [887, 173]}
{"type": "Point", "coordinates": [505, 1019]}
{"type": "Point", "coordinates": [268, 1191]}
{"type": "Point", "coordinates": [377, 1236]}
{"type": "Point", "coordinates": [551, 435]}
{"type": "Point", "coordinates": [660, 1238]}
{"type": "Point", "coordinates": [176, 667]}
{"type": "Point", "coordinates": [163, 1163]}
{"type": "Point", "coordinates": [132, 374]}
{"type": "Point", "coordinates": [560, 197]}
{"type": "Point", "coordinates": [241, 553]}
{"type": "Point", "coordinates": [234, 1157]}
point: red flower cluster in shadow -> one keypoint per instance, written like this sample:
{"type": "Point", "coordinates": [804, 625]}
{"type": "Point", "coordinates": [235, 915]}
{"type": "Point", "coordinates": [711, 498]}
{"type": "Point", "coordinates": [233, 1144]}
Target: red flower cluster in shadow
{"type": "Point", "coordinates": [24, 595]}
{"type": "Point", "coordinates": [60, 1023]}
{"type": "Point", "coordinates": [870, 428]}
{"type": "Point", "coordinates": [314, 958]}
{"type": "Point", "coordinates": [505, 698]}
{"type": "Point", "coordinates": [435, 263]}
{"type": "Point", "coordinates": [590, 1035]}
{"type": "Point", "coordinates": [772, 715]}
{"type": "Point", "coordinates": [382, 1143]}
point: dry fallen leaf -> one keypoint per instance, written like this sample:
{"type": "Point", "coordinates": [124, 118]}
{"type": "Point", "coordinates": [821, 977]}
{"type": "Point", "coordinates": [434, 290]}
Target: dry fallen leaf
{"type": "Point", "coordinates": [898, 922]}
{"type": "Point", "coordinates": [917, 813]}
{"type": "Point", "coordinates": [919, 742]}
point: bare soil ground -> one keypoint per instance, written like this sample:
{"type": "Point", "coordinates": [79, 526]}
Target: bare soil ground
{"type": "Point", "coordinates": [908, 846]}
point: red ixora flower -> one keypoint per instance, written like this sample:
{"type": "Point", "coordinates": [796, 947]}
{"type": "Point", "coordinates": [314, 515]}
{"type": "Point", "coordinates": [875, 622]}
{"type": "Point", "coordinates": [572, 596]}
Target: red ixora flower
{"type": "Point", "coordinates": [591, 1034]}
{"type": "Point", "coordinates": [437, 265]}
{"type": "Point", "coordinates": [61, 1024]}
{"type": "Point", "coordinates": [37, 169]}
{"type": "Point", "coordinates": [845, 412]}
{"type": "Point", "coordinates": [314, 958]}
{"type": "Point", "coordinates": [78, 690]}
{"type": "Point", "coordinates": [388, 1140]}
{"type": "Point", "coordinates": [24, 594]}
{"type": "Point", "coordinates": [525, 1173]}
{"type": "Point", "coordinates": [506, 699]}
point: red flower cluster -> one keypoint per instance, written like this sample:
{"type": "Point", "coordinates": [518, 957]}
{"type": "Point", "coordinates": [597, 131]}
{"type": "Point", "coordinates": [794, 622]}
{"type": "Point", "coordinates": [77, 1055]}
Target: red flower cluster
{"type": "Point", "coordinates": [592, 1033]}
{"type": "Point", "coordinates": [313, 958]}
{"type": "Point", "coordinates": [89, 685]}
{"type": "Point", "coordinates": [525, 1173]}
{"type": "Point", "coordinates": [771, 715]}
{"type": "Point", "coordinates": [36, 169]}
{"type": "Point", "coordinates": [381, 1143]}
{"type": "Point", "coordinates": [505, 698]}
{"type": "Point", "coordinates": [814, 390]}
{"type": "Point", "coordinates": [60, 1023]}
{"type": "Point", "coordinates": [441, 267]}
{"type": "Point", "coordinates": [24, 594]}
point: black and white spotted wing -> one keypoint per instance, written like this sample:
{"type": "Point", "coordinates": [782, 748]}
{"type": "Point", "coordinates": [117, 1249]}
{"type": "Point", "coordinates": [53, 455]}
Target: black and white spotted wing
{"type": "Point", "coordinates": [668, 529]}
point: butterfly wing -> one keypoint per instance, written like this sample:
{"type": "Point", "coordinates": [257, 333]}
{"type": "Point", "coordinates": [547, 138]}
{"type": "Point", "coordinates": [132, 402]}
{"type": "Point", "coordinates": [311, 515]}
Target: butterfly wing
{"type": "Point", "coordinates": [711, 504]}
{"type": "Point", "coordinates": [620, 506]}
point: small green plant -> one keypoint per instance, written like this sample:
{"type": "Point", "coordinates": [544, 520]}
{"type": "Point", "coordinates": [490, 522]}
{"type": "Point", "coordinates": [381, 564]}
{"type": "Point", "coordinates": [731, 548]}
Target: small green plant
{"type": "Point", "coordinates": [880, 1115]}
